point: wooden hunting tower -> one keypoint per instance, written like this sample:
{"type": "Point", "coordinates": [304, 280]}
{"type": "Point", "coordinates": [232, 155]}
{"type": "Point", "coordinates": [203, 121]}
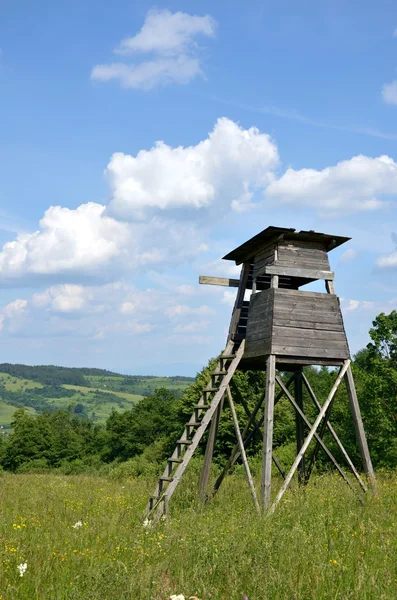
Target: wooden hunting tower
{"type": "Point", "coordinates": [280, 327]}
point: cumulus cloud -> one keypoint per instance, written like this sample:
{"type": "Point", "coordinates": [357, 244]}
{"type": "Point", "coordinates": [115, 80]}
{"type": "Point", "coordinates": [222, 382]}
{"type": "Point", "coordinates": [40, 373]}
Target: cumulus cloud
{"type": "Point", "coordinates": [65, 298]}
{"type": "Point", "coordinates": [222, 171]}
{"type": "Point", "coordinates": [358, 184]}
{"type": "Point", "coordinates": [163, 202]}
{"type": "Point", "coordinates": [12, 315]}
{"type": "Point", "coordinates": [69, 241]}
{"type": "Point", "coordinates": [170, 40]}
{"type": "Point", "coordinates": [388, 261]}
{"type": "Point", "coordinates": [389, 92]}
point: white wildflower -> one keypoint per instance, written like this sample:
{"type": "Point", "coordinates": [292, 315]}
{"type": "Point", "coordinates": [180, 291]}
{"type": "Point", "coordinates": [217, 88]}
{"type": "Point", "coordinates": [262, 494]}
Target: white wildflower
{"type": "Point", "coordinates": [177, 597]}
{"type": "Point", "coordinates": [22, 568]}
{"type": "Point", "coordinates": [147, 523]}
{"type": "Point", "coordinates": [77, 525]}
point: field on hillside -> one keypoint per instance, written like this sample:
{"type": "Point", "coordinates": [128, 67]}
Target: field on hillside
{"type": "Point", "coordinates": [82, 539]}
{"type": "Point", "coordinates": [99, 395]}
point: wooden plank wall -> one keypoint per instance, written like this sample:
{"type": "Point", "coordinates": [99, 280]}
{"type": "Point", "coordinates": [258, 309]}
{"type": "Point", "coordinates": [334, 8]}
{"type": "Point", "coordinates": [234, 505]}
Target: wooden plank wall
{"type": "Point", "coordinates": [303, 255]}
{"type": "Point", "coordinates": [297, 254]}
{"type": "Point", "coordinates": [259, 326]}
{"type": "Point", "coordinates": [295, 323]}
{"type": "Point", "coordinates": [308, 324]}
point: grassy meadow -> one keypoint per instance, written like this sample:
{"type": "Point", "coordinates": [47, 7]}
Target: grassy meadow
{"type": "Point", "coordinates": [82, 538]}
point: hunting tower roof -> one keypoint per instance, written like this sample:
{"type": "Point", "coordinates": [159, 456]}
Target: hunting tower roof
{"type": "Point", "coordinates": [271, 234]}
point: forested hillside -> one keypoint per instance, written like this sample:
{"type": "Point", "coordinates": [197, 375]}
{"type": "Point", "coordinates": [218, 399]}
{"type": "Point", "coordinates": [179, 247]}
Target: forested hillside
{"type": "Point", "coordinates": [137, 439]}
{"type": "Point", "coordinates": [90, 393]}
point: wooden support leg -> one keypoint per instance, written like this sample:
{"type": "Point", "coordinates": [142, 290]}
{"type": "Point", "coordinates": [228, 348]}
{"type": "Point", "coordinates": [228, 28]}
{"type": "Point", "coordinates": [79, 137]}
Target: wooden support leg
{"type": "Point", "coordinates": [235, 451]}
{"type": "Point", "coordinates": [209, 452]}
{"type": "Point", "coordinates": [358, 425]}
{"type": "Point", "coordinates": [268, 432]}
{"type": "Point", "coordinates": [242, 451]}
{"type": "Point", "coordinates": [300, 426]}
{"type": "Point", "coordinates": [257, 430]}
{"type": "Point", "coordinates": [247, 439]}
{"type": "Point", "coordinates": [311, 434]}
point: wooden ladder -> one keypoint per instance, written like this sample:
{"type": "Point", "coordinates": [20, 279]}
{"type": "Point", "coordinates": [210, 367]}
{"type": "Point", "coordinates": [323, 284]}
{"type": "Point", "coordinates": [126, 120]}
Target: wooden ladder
{"type": "Point", "coordinates": [193, 432]}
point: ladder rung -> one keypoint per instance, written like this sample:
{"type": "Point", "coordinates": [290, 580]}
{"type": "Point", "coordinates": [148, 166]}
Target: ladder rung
{"type": "Point", "coordinates": [185, 442]}
{"type": "Point", "coordinates": [163, 478]}
{"type": "Point", "coordinates": [154, 497]}
{"type": "Point", "coordinates": [193, 423]}
{"type": "Point", "coordinates": [203, 406]}
{"type": "Point", "coordinates": [219, 373]}
{"type": "Point", "coordinates": [175, 460]}
{"type": "Point", "coordinates": [212, 389]}
{"type": "Point", "coordinates": [228, 356]}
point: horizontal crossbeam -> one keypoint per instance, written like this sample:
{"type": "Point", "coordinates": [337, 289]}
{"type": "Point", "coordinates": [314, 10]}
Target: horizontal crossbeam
{"type": "Point", "coordinates": [224, 281]}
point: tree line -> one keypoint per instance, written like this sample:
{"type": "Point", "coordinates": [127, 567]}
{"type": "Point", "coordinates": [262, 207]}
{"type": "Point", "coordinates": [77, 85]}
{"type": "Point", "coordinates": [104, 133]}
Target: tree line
{"type": "Point", "coordinates": [139, 440]}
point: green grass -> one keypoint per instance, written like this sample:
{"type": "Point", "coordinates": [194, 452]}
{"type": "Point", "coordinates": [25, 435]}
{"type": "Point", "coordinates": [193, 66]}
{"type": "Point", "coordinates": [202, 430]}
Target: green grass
{"type": "Point", "coordinates": [319, 544]}
{"type": "Point", "coordinates": [7, 412]}
{"type": "Point", "coordinates": [15, 384]}
{"type": "Point", "coordinates": [138, 384]}
{"type": "Point", "coordinates": [81, 388]}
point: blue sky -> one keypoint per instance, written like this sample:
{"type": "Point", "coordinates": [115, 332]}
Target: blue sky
{"type": "Point", "coordinates": [139, 143]}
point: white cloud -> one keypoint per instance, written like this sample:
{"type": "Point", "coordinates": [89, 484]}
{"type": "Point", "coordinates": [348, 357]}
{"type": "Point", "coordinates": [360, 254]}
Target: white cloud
{"type": "Point", "coordinates": [193, 326]}
{"type": "Point", "coordinates": [389, 92]}
{"type": "Point", "coordinates": [12, 315]}
{"type": "Point", "coordinates": [349, 255]}
{"type": "Point", "coordinates": [181, 310]}
{"type": "Point", "coordinates": [351, 185]}
{"type": "Point", "coordinates": [225, 168]}
{"type": "Point", "coordinates": [15, 309]}
{"type": "Point", "coordinates": [388, 261]}
{"type": "Point", "coordinates": [63, 298]}
{"type": "Point", "coordinates": [170, 38]}
{"type": "Point", "coordinates": [83, 240]}
{"type": "Point", "coordinates": [229, 297]}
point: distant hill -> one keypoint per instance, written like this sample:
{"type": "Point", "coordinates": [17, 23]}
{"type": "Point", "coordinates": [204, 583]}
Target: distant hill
{"type": "Point", "coordinates": [91, 393]}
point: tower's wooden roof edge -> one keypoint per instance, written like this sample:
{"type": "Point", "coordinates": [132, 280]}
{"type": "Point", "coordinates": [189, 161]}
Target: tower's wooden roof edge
{"type": "Point", "coordinates": [271, 234]}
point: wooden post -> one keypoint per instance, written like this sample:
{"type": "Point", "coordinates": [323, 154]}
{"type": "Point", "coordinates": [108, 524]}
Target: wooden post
{"type": "Point", "coordinates": [300, 431]}
{"type": "Point", "coordinates": [242, 451]}
{"type": "Point", "coordinates": [209, 452]}
{"type": "Point", "coordinates": [311, 434]}
{"type": "Point", "coordinates": [358, 425]}
{"type": "Point", "coordinates": [268, 432]}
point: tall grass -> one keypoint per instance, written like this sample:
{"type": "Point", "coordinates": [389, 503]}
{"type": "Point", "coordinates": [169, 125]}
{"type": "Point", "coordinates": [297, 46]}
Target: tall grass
{"type": "Point", "coordinates": [319, 544]}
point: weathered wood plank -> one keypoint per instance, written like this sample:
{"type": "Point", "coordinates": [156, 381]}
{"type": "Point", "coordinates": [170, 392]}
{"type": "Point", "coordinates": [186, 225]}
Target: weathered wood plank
{"type": "Point", "coordinates": [301, 244]}
{"type": "Point", "coordinates": [298, 272]}
{"type": "Point", "coordinates": [358, 425]}
{"type": "Point", "coordinates": [224, 281]}
{"type": "Point", "coordinates": [317, 325]}
{"type": "Point", "coordinates": [268, 432]}
{"type": "Point", "coordinates": [301, 293]}
{"type": "Point", "coordinates": [302, 263]}
{"type": "Point", "coordinates": [308, 316]}
{"type": "Point", "coordinates": [297, 342]}
{"type": "Point", "coordinates": [313, 352]}
{"type": "Point", "coordinates": [282, 332]}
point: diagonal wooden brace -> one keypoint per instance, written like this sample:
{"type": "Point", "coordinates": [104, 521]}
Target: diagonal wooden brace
{"type": "Point", "coordinates": [318, 437]}
{"type": "Point", "coordinates": [335, 436]}
{"type": "Point", "coordinates": [311, 434]}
